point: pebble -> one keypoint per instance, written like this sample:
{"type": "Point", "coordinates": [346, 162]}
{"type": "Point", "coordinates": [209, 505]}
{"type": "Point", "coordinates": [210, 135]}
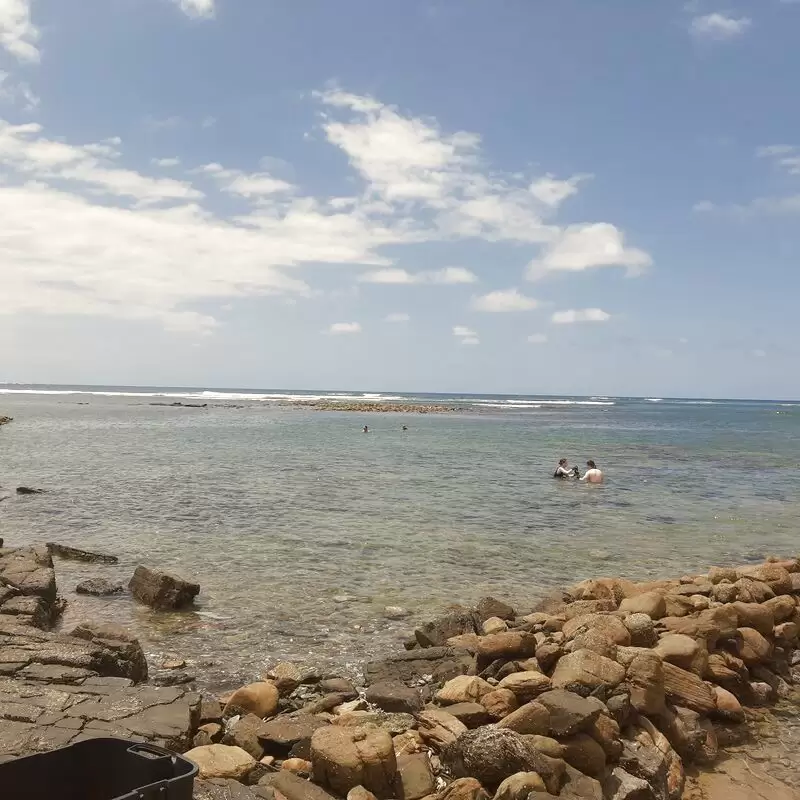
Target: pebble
{"type": "Point", "coordinates": [396, 612]}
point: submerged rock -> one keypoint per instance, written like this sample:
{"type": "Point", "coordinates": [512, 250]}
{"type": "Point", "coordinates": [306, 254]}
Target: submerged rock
{"type": "Point", "coordinates": [76, 554]}
{"type": "Point", "coordinates": [99, 587]}
{"type": "Point", "coordinates": [161, 590]}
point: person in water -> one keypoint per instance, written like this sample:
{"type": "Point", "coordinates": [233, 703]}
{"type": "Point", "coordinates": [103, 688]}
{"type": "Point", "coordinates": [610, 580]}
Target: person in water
{"type": "Point", "coordinates": [366, 429]}
{"type": "Point", "coordinates": [563, 470]}
{"type": "Point", "coordinates": [593, 475]}
{"type": "Point", "coordinates": [405, 428]}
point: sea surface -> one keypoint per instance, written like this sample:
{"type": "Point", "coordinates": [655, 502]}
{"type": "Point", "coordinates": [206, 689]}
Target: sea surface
{"type": "Point", "coordinates": [301, 529]}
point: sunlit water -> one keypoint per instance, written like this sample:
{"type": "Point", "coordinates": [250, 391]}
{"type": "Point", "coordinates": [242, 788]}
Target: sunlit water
{"type": "Point", "coordinates": [301, 529]}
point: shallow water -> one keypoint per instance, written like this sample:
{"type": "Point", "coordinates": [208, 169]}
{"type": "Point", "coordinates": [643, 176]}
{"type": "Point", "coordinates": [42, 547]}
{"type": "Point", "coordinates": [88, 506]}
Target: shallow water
{"type": "Point", "coordinates": [301, 529]}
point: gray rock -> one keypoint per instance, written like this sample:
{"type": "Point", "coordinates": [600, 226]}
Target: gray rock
{"type": "Point", "coordinates": [569, 713]}
{"type": "Point", "coordinates": [621, 785]}
{"type": "Point", "coordinates": [161, 590]}
{"type": "Point", "coordinates": [280, 735]}
{"type": "Point", "coordinates": [491, 607]}
{"type": "Point", "coordinates": [456, 622]}
{"type": "Point", "coordinates": [128, 652]}
{"type": "Point", "coordinates": [245, 734]}
{"type": "Point", "coordinates": [338, 686]}
{"type": "Point", "coordinates": [440, 663]}
{"type": "Point", "coordinates": [75, 554]}
{"type": "Point", "coordinates": [394, 696]}
{"type": "Point", "coordinates": [473, 715]}
{"type": "Point", "coordinates": [29, 570]}
{"type": "Point", "coordinates": [294, 788]}
{"type": "Point", "coordinates": [99, 587]}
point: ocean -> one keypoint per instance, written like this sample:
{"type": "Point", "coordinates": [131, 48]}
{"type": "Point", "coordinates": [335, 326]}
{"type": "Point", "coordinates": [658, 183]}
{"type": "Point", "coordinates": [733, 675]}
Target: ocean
{"type": "Point", "coordinates": [301, 529]}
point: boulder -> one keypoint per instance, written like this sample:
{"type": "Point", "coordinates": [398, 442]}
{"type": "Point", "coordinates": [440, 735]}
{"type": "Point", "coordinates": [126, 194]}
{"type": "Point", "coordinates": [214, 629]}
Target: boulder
{"type": "Point", "coordinates": [244, 734]}
{"type": "Point", "coordinates": [597, 642]}
{"type": "Point", "coordinates": [650, 603]}
{"type": "Point", "coordinates": [493, 754]}
{"type": "Point", "coordinates": [681, 727]}
{"type": "Point", "coordinates": [29, 490]}
{"type": "Point", "coordinates": [99, 587]}
{"type": "Point", "coordinates": [463, 789]}
{"type": "Point", "coordinates": [435, 664]}
{"type": "Point", "coordinates": [531, 718]}
{"type": "Point", "coordinates": [756, 616]}
{"type": "Point", "coordinates": [578, 786]}
{"type": "Point", "coordinates": [344, 758]}
{"type": "Point", "coordinates": [491, 607]}
{"type": "Point", "coordinates": [297, 766]}
{"type": "Point", "coordinates": [526, 685]}
{"type": "Point", "coordinates": [645, 679]}
{"type": "Point", "coordinates": [753, 591]}
{"type": "Point", "coordinates": [585, 754]}
{"type": "Point", "coordinates": [752, 647]}
{"type": "Point", "coordinates": [606, 732]}
{"type": "Point", "coordinates": [394, 696]}
{"type": "Point", "coordinates": [457, 621]}
{"type": "Point", "coordinates": [508, 645]}
{"type": "Point", "coordinates": [719, 574]}
{"type": "Point", "coordinates": [684, 652]}
{"type": "Point", "coordinates": [439, 729]}
{"type": "Point", "coordinates": [285, 784]}
{"type": "Point", "coordinates": [725, 668]}
{"type": "Point", "coordinates": [260, 698]}
{"type": "Point", "coordinates": [416, 778]}
{"type": "Point", "coordinates": [29, 570]}
{"type": "Point", "coordinates": [473, 715]}
{"type": "Point", "coordinates": [463, 689]}
{"type": "Point", "coordinates": [569, 713]}
{"type": "Point", "coordinates": [728, 709]}
{"type": "Point", "coordinates": [547, 746]}
{"type": "Point", "coordinates": [642, 630]}
{"type": "Point", "coordinates": [584, 672]}
{"type": "Point", "coordinates": [612, 627]}
{"type": "Point", "coordinates": [620, 707]}
{"type": "Point", "coordinates": [161, 590]}
{"type": "Point", "coordinates": [687, 690]}
{"type": "Point", "coordinates": [338, 686]}
{"type": "Point", "coordinates": [466, 641]}
{"type": "Point", "coordinates": [647, 762]}
{"type": "Point", "coordinates": [775, 576]}
{"type": "Point", "coordinates": [581, 608]}
{"type": "Point", "coordinates": [519, 786]}
{"type": "Point", "coordinates": [677, 605]}
{"type": "Point", "coordinates": [222, 761]}
{"type": "Point", "coordinates": [782, 607]}
{"type": "Point", "coordinates": [621, 785]}
{"type": "Point", "coordinates": [786, 633]}
{"type": "Point", "coordinates": [127, 653]}
{"type": "Point", "coordinates": [547, 655]}
{"type": "Point", "coordinates": [288, 676]}
{"type": "Point", "coordinates": [494, 625]}
{"type": "Point", "coordinates": [499, 703]}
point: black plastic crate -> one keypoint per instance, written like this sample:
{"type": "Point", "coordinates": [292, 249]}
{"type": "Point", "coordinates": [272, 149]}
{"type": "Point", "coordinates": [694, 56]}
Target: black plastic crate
{"type": "Point", "coordinates": [99, 769]}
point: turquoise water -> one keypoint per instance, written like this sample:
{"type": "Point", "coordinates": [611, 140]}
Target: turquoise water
{"type": "Point", "coordinates": [301, 529]}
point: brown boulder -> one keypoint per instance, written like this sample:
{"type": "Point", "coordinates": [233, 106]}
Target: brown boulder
{"type": "Point", "coordinates": [463, 689]}
{"type": "Point", "coordinates": [729, 709]}
{"type": "Point", "coordinates": [456, 622]}
{"type": "Point", "coordinates": [684, 652]}
{"type": "Point", "coordinates": [677, 605]}
{"type": "Point", "coordinates": [438, 728]}
{"type": "Point", "coordinates": [782, 608]}
{"type": "Point", "coordinates": [344, 758]}
{"type": "Point", "coordinates": [581, 608]}
{"type": "Point", "coordinates": [160, 590]}
{"type": "Point", "coordinates": [687, 690]}
{"type": "Point", "coordinates": [491, 607]}
{"type": "Point", "coordinates": [584, 671]}
{"type": "Point", "coordinates": [645, 679]}
{"type": "Point", "coordinates": [122, 646]}
{"type": "Point", "coordinates": [585, 754]}
{"type": "Point", "coordinates": [749, 590]}
{"type": "Point", "coordinates": [642, 630]}
{"type": "Point", "coordinates": [752, 647]}
{"type": "Point", "coordinates": [473, 715]}
{"type": "Point", "coordinates": [394, 697]}
{"type": "Point", "coordinates": [569, 713]}
{"type": "Point", "coordinates": [758, 617]}
{"type": "Point", "coordinates": [499, 703]}
{"type": "Point", "coordinates": [525, 685]}
{"type": "Point", "coordinates": [532, 718]}
{"type": "Point", "coordinates": [610, 626]}
{"type": "Point", "coordinates": [775, 576]}
{"type": "Point", "coordinates": [606, 732]}
{"type": "Point", "coordinates": [787, 633]}
{"type": "Point", "coordinates": [650, 603]}
{"type": "Point", "coordinates": [551, 748]}
{"type": "Point", "coordinates": [508, 645]}
{"type": "Point", "coordinates": [415, 776]}
{"type": "Point", "coordinates": [222, 761]}
{"type": "Point", "coordinates": [719, 574]}
{"type": "Point", "coordinates": [463, 789]}
{"type": "Point", "coordinates": [519, 786]}
{"type": "Point", "coordinates": [259, 698]}
{"type": "Point", "coordinates": [595, 641]}
{"type": "Point", "coordinates": [494, 625]}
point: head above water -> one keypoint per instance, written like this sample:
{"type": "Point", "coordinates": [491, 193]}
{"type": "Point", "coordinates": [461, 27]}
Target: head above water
{"type": "Point", "coordinates": [591, 464]}
{"type": "Point", "coordinates": [562, 462]}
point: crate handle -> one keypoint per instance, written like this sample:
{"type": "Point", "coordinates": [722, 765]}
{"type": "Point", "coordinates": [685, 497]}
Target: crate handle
{"type": "Point", "coordinates": [150, 750]}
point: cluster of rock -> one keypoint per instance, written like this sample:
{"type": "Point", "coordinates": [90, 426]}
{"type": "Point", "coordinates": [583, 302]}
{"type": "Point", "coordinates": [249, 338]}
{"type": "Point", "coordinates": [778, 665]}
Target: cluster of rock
{"type": "Point", "coordinates": [608, 691]}
{"type": "Point", "coordinates": [382, 407]}
{"type": "Point", "coordinates": [5, 420]}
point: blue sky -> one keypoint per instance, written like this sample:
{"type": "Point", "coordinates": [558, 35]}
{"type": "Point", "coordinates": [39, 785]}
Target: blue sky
{"type": "Point", "coordinates": [516, 196]}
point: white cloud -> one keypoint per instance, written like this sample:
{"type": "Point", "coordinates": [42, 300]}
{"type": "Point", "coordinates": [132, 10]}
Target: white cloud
{"type": "Point", "coordinates": [718, 26]}
{"type": "Point", "coordinates": [344, 327]}
{"type": "Point", "coordinates": [398, 316]}
{"type": "Point", "coordinates": [582, 315]}
{"type": "Point", "coordinates": [465, 335]}
{"type": "Point", "coordinates": [772, 150]}
{"type": "Point", "coordinates": [703, 207]}
{"type": "Point", "coordinates": [257, 184]}
{"type": "Point", "coordinates": [581, 247]}
{"type": "Point", "coordinates": [537, 338]}
{"type": "Point", "coordinates": [758, 353]}
{"type": "Point", "coordinates": [166, 162]}
{"type": "Point", "coordinates": [552, 192]}
{"type": "Point", "coordinates": [395, 275]}
{"type": "Point", "coordinates": [203, 9]}
{"type": "Point", "coordinates": [504, 300]}
{"type": "Point", "coordinates": [18, 34]}
{"type": "Point", "coordinates": [785, 156]}
{"type": "Point", "coordinates": [17, 93]}
{"type": "Point", "coordinates": [208, 122]}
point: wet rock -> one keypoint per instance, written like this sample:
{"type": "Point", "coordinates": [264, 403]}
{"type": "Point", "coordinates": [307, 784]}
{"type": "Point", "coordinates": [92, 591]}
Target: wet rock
{"type": "Point", "coordinates": [752, 647]}
{"type": "Point", "coordinates": [396, 612]}
{"type": "Point", "coordinates": [621, 785]}
{"type": "Point", "coordinates": [456, 622]}
{"type": "Point", "coordinates": [612, 627]}
{"type": "Point", "coordinates": [222, 761]}
{"type": "Point", "coordinates": [729, 709]}
{"type": "Point", "coordinates": [491, 755]}
{"type": "Point", "coordinates": [344, 758]}
{"type": "Point", "coordinates": [440, 663]}
{"type": "Point", "coordinates": [569, 713]}
{"type": "Point", "coordinates": [127, 652]}
{"type": "Point", "coordinates": [585, 754]}
{"type": "Point", "coordinates": [260, 698]}
{"type": "Point", "coordinates": [281, 734]}
{"type": "Point", "coordinates": [463, 689]}
{"type": "Point", "coordinates": [439, 729]}
{"type": "Point", "coordinates": [416, 778]}
{"type": "Point", "coordinates": [650, 603]}
{"type": "Point", "coordinates": [473, 715]}
{"type": "Point", "coordinates": [687, 690]}
{"type": "Point", "coordinates": [584, 671]}
{"type": "Point", "coordinates": [99, 587]}
{"type": "Point", "coordinates": [519, 786]}
{"type": "Point", "coordinates": [463, 789]}
{"type": "Point", "coordinates": [499, 703]}
{"type": "Point", "coordinates": [161, 590]}
{"type": "Point", "coordinates": [324, 704]}
{"type": "Point", "coordinates": [75, 554]}
{"type": "Point", "coordinates": [531, 718]}
{"type": "Point", "coordinates": [526, 685]}
{"type": "Point", "coordinates": [494, 625]}
{"type": "Point", "coordinates": [394, 696]}
{"type": "Point", "coordinates": [490, 607]}
{"type": "Point", "coordinates": [29, 490]}
{"type": "Point", "coordinates": [645, 679]}
{"type": "Point", "coordinates": [244, 734]}
{"type": "Point", "coordinates": [509, 645]}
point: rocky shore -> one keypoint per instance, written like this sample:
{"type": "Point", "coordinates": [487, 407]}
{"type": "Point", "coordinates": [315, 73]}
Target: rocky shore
{"type": "Point", "coordinates": [611, 690]}
{"type": "Point", "coordinates": [378, 407]}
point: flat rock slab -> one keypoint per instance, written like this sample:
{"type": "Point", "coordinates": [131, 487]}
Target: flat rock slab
{"type": "Point", "coordinates": [441, 663]}
{"type": "Point", "coordinates": [35, 717]}
{"type": "Point", "coordinates": [76, 554]}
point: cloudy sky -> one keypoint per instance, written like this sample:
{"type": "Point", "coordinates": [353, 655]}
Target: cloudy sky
{"type": "Point", "coordinates": [473, 195]}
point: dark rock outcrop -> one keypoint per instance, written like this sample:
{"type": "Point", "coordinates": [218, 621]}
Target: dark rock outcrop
{"type": "Point", "coordinates": [160, 590]}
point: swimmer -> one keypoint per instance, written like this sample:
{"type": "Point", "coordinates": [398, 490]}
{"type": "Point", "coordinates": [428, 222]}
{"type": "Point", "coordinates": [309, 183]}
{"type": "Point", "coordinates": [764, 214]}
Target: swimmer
{"type": "Point", "coordinates": [405, 427]}
{"type": "Point", "coordinates": [366, 429]}
{"type": "Point", "coordinates": [593, 475]}
{"type": "Point", "coordinates": [563, 470]}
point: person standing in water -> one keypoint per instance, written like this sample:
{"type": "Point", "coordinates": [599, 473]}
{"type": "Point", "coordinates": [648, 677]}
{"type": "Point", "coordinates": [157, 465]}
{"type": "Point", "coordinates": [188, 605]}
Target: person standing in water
{"type": "Point", "coordinates": [563, 470]}
{"type": "Point", "coordinates": [366, 429]}
{"type": "Point", "coordinates": [593, 475]}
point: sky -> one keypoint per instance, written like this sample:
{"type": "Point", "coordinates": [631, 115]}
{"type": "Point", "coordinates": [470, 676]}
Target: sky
{"type": "Point", "coordinates": [514, 196]}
